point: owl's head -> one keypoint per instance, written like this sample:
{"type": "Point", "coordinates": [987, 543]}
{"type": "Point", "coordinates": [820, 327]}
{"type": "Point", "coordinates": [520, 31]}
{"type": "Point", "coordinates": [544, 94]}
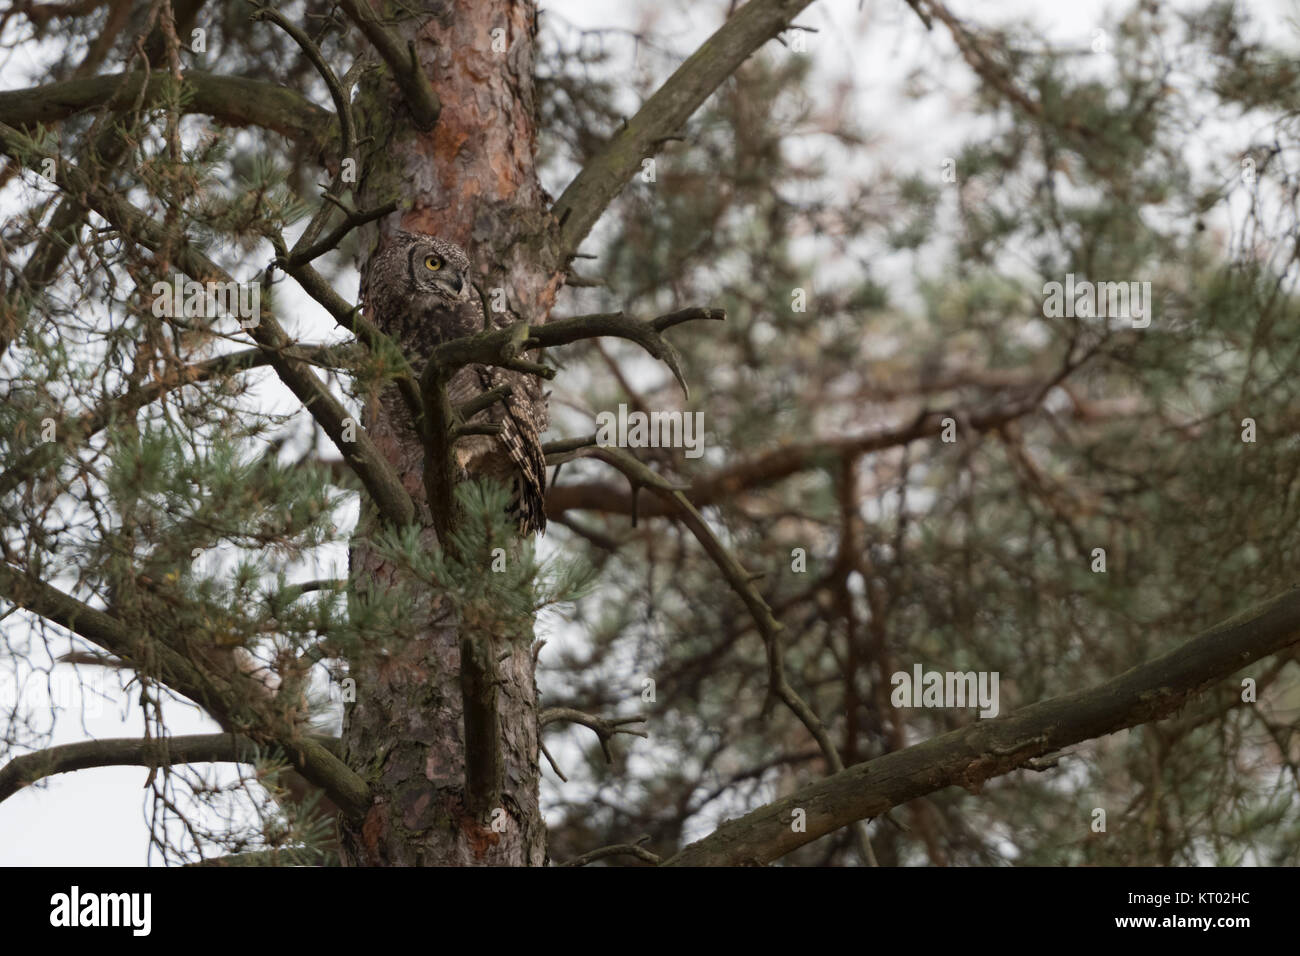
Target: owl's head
{"type": "Point", "coordinates": [435, 268]}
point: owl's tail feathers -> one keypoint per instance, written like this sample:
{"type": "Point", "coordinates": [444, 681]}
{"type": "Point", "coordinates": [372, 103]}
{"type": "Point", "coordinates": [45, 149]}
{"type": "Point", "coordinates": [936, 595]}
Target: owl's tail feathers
{"type": "Point", "coordinates": [528, 508]}
{"type": "Point", "coordinates": [528, 490]}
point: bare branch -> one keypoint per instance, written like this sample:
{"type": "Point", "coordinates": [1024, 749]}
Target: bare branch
{"type": "Point", "coordinates": [618, 325]}
{"type": "Point", "coordinates": [780, 463]}
{"type": "Point", "coordinates": [483, 760]}
{"type": "Point", "coordinates": [618, 849]}
{"type": "Point", "coordinates": [232, 100]}
{"type": "Point", "coordinates": [130, 751]}
{"type": "Point", "coordinates": [403, 63]}
{"type": "Point", "coordinates": [468, 409]}
{"type": "Point", "coordinates": [564, 449]}
{"type": "Point", "coordinates": [605, 727]}
{"type": "Point", "coordinates": [335, 236]}
{"type": "Point", "coordinates": [503, 347]}
{"type": "Point", "coordinates": [342, 103]}
{"type": "Point", "coordinates": [970, 755]}
{"type": "Point", "coordinates": [742, 582]}
{"type": "Point", "coordinates": [280, 856]}
{"type": "Point", "coordinates": [662, 116]}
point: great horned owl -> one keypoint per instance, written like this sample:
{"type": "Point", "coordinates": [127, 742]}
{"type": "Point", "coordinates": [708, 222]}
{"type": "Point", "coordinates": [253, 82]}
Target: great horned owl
{"type": "Point", "coordinates": [418, 290]}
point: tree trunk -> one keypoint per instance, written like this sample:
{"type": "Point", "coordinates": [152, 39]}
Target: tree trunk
{"type": "Point", "coordinates": [472, 180]}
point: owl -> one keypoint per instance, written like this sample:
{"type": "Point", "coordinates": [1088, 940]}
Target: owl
{"type": "Point", "coordinates": [418, 290]}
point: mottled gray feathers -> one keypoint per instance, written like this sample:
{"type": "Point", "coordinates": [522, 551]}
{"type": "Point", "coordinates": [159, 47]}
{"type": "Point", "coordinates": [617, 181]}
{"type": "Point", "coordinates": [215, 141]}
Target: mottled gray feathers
{"type": "Point", "coordinates": [419, 290]}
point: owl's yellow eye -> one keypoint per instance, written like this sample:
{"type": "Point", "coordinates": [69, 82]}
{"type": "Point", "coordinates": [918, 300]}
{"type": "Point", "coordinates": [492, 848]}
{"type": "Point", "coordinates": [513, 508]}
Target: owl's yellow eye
{"type": "Point", "coordinates": [432, 263]}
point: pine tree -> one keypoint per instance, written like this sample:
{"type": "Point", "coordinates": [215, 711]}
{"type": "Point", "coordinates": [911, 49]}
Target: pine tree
{"type": "Point", "coordinates": [913, 455]}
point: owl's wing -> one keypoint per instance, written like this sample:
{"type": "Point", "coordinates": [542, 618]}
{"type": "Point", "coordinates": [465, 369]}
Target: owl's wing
{"type": "Point", "coordinates": [514, 456]}
{"type": "Point", "coordinates": [523, 444]}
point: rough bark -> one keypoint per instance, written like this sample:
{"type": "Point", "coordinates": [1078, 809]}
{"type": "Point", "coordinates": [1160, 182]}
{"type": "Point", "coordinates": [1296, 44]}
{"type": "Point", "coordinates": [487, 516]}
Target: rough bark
{"type": "Point", "coordinates": [471, 179]}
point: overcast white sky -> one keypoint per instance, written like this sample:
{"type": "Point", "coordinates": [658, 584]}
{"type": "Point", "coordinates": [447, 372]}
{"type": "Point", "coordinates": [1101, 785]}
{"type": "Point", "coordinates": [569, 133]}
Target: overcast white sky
{"type": "Point", "coordinates": [97, 817]}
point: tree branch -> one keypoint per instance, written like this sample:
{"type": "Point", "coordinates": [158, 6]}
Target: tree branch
{"type": "Point", "coordinates": [124, 406]}
{"type": "Point", "coordinates": [662, 116]}
{"type": "Point", "coordinates": [483, 759]}
{"type": "Point", "coordinates": [975, 51]}
{"type": "Point", "coordinates": [336, 235]}
{"type": "Point", "coordinates": [604, 727]}
{"type": "Point", "coordinates": [502, 347]}
{"type": "Point", "coordinates": [281, 856]}
{"type": "Point", "coordinates": [342, 102]}
{"type": "Point", "coordinates": [618, 849]}
{"type": "Point", "coordinates": [130, 752]}
{"type": "Point", "coordinates": [218, 693]}
{"type": "Point", "coordinates": [780, 463]}
{"type": "Point", "coordinates": [742, 582]}
{"type": "Point", "coordinates": [371, 467]}
{"type": "Point", "coordinates": [420, 98]}
{"type": "Point", "coordinates": [232, 100]}
{"type": "Point", "coordinates": [618, 325]}
{"type": "Point", "coordinates": [970, 755]}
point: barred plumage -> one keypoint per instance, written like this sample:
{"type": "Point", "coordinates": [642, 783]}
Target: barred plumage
{"type": "Point", "coordinates": [418, 289]}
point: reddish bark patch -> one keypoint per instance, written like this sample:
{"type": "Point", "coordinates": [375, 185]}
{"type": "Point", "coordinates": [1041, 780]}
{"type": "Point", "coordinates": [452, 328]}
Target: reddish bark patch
{"type": "Point", "coordinates": [479, 838]}
{"type": "Point", "coordinates": [372, 830]}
